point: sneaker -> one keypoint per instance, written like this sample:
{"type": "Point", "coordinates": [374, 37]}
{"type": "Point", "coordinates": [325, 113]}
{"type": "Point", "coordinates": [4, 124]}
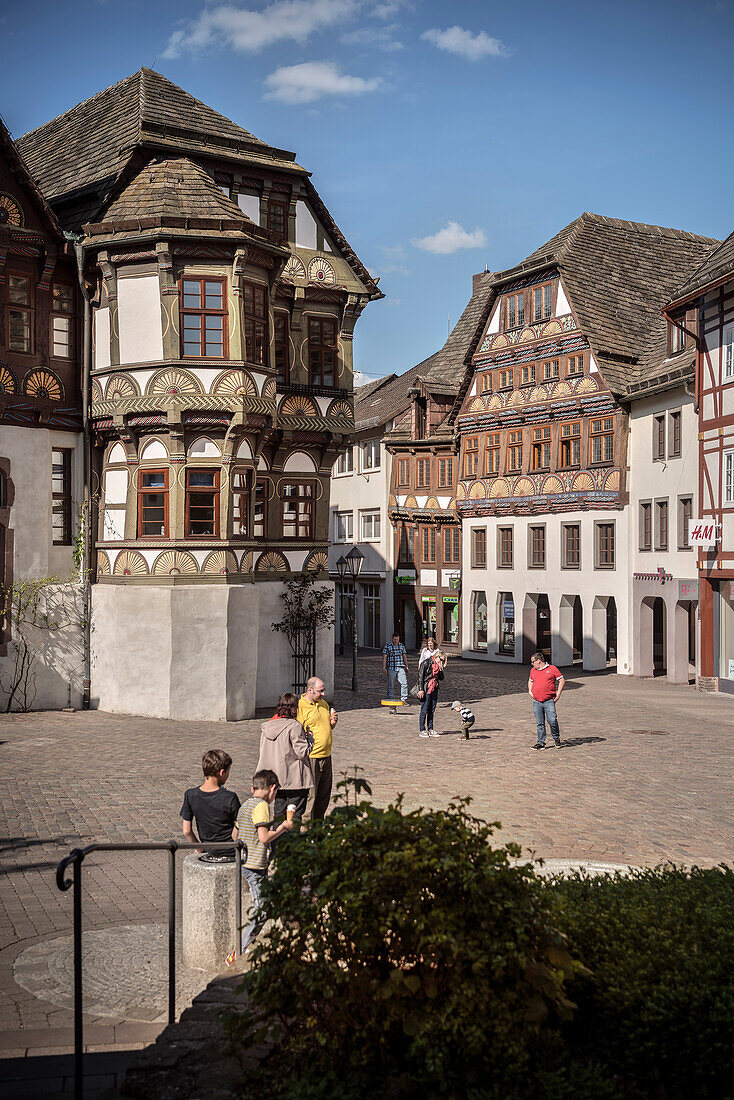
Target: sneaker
{"type": "Point", "coordinates": [432, 733]}
{"type": "Point", "coordinates": [424, 733]}
{"type": "Point", "coordinates": [538, 745]}
{"type": "Point", "coordinates": [557, 742]}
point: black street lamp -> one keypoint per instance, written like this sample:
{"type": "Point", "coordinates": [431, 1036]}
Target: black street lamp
{"type": "Point", "coordinates": [341, 568]}
{"type": "Point", "coordinates": [355, 561]}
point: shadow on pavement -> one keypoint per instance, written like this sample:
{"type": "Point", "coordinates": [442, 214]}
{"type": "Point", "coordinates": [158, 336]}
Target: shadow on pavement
{"type": "Point", "coordinates": [573, 742]}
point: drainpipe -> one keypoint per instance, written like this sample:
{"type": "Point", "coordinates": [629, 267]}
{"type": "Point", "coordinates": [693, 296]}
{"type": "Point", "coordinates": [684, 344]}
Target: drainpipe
{"type": "Point", "coordinates": [697, 342]}
{"type": "Point", "coordinates": [87, 496]}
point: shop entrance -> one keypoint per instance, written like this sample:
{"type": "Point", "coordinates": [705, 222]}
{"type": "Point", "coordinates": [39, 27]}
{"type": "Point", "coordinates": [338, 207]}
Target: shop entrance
{"type": "Point", "coordinates": [543, 625]}
{"type": "Point", "coordinates": [659, 632]}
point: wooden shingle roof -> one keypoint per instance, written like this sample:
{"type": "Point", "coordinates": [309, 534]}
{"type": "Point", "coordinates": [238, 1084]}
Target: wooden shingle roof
{"type": "Point", "coordinates": [19, 168]}
{"type": "Point", "coordinates": [91, 142]}
{"type": "Point", "coordinates": [176, 187]}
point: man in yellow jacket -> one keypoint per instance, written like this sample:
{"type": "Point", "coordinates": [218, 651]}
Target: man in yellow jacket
{"type": "Point", "coordinates": [314, 714]}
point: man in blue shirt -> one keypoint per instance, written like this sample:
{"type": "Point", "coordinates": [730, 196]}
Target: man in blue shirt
{"type": "Point", "coordinates": [395, 664]}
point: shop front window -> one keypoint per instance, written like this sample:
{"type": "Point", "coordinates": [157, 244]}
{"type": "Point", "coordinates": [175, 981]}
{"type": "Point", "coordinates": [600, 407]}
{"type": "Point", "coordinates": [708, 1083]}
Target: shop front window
{"type": "Point", "coordinates": [480, 621]}
{"type": "Point", "coordinates": [506, 610]}
{"type": "Point", "coordinates": [451, 619]}
{"type": "Point", "coordinates": [429, 617]}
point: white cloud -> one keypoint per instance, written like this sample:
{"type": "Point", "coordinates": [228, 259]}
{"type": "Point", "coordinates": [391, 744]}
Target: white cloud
{"type": "Point", "coordinates": [451, 238]}
{"type": "Point", "coordinates": [474, 47]}
{"type": "Point", "coordinates": [249, 31]}
{"type": "Point", "coordinates": [311, 80]}
{"type": "Point", "coordinates": [386, 10]}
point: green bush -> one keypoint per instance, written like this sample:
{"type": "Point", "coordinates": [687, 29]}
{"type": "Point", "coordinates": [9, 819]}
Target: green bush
{"type": "Point", "coordinates": [659, 1011]}
{"type": "Point", "coordinates": [417, 960]}
{"type": "Point", "coordinates": [411, 957]}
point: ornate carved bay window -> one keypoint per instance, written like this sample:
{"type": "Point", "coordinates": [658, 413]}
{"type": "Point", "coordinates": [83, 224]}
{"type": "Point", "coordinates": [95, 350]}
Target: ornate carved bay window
{"type": "Point", "coordinates": [202, 503]}
{"type": "Point", "coordinates": [203, 311]}
{"type": "Point", "coordinates": [322, 351]}
{"type": "Point", "coordinates": [298, 498]}
{"type": "Point", "coordinates": [256, 323]}
{"type": "Point", "coordinates": [153, 504]}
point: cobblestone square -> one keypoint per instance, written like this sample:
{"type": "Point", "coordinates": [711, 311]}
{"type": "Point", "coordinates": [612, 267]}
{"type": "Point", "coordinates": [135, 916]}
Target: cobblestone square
{"type": "Point", "coordinates": [644, 776]}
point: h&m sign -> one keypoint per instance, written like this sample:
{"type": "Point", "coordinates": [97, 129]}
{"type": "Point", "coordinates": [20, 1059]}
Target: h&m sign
{"type": "Point", "coordinates": [703, 532]}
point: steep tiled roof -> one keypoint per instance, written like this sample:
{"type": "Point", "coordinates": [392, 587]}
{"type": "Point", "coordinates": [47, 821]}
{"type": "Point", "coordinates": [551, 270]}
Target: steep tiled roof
{"type": "Point", "coordinates": [383, 402]}
{"type": "Point", "coordinates": [717, 265]}
{"type": "Point", "coordinates": [174, 187]}
{"type": "Point", "coordinates": [93, 140]}
{"type": "Point", "coordinates": [618, 275]}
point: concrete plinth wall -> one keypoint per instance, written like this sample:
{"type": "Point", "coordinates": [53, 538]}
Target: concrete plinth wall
{"type": "Point", "coordinates": [275, 667]}
{"type": "Point", "coordinates": [178, 651]}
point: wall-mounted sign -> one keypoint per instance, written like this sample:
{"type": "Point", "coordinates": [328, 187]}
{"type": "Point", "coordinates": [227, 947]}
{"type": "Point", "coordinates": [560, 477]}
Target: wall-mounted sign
{"type": "Point", "coordinates": [455, 582]}
{"type": "Point", "coordinates": [687, 590]}
{"type": "Point", "coordinates": [703, 532]}
{"type": "Point", "coordinates": [405, 578]}
{"type": "Point", "coordinates": [508, 609]}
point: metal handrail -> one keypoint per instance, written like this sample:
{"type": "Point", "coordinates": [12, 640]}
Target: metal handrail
{"type": "Point", "coordinates": [75, 859]}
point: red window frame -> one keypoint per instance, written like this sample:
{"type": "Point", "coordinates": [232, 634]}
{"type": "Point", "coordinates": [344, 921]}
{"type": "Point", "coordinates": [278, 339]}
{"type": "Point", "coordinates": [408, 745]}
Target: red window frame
{"type": "Point", "coordinates": [471, 456]}
{"type": "Point", "coordinates": [195, 507]}
{"type": "Point", "coordinates": [604, 435]}
{"type": "Point", "coordinates": [574, 366]}
{"type": "Point", "coordinates": [514, 452]}
{"type": "Point", "coordinates": [204, 314]}
{"type": "Point", "coordinates": [570, 444]}
{"type": "Point", "coordinates": [540, 454]}
{"type": "Point", "coordinates": [492, 454]}
{"type": "Point", "coordinates": [145, 491]}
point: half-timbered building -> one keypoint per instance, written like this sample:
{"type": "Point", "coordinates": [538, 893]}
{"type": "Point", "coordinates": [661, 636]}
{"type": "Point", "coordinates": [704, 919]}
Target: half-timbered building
{"type": "Point", "coordinates": [701, 312]}
{"type": "Point", "coordinates": [40, 410]}
{"type": "Point", "coordinates": [422, 505]}
{"type": "Point", "coordinates": [571, 336]}
{"type": "Point", "coordinates": [221, 299]}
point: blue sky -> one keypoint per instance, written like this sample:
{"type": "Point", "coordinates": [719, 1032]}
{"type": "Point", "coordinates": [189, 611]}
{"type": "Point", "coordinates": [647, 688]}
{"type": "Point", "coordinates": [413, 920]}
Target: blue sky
{"type": "Point", "coordinates": [443, 137]}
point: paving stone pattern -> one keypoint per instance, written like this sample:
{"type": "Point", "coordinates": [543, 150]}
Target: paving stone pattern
{"type": "Point", "coordinates": [645, 776]}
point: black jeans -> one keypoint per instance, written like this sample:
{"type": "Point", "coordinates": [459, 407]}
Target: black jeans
{"type": "Point", "coordinates": [428, 706]}
{"type": "Point", "coordinates": [284, 799]}
{"type": "Point", "coordinates": [322, 780]}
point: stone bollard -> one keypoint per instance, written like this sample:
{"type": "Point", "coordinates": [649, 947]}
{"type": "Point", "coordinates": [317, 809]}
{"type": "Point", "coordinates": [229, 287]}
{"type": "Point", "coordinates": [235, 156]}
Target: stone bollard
{"type": "Point", "coordinates": [209, 912]}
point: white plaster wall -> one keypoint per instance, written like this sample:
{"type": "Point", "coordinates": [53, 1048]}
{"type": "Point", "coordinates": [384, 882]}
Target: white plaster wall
{"type": "Point", "coordinates": [35, 556]}
{"type": "Point", "coordinates": [139, 319]}
{"type": "Point", "coordinates": [562, 305]}
{"type": "Point", "coordinates": [101, 338]}
{"type": "Point", "coordinates": [305, 226]}
{"type": "Point", "coordinates": [178, 651]}
{"type": "Point", "coordinates": [250, 205]}
{"type": "Point", "coordinates": [275, 673]}
{"type": "Point", "coordinates": [357, 492]}
{"type": "Point", "coordinates": [650, 480]}
{"type": "Point", "coordinates": [555, 582]}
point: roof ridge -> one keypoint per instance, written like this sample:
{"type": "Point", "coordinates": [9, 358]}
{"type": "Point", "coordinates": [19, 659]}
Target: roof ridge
{"type": "Point", "coordinates": [81, 103]}
{"type": "Point", "coordinates": [646, 227]}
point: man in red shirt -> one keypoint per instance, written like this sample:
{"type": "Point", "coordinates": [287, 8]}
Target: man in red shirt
{"type": "Point", "coordinates": [545, 686]}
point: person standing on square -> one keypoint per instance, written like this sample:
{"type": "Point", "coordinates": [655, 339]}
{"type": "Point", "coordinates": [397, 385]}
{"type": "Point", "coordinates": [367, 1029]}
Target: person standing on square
{"type": "Point", "coordinates": [395, 664]}
{"type": "Point", "coordinates": [545, 685]}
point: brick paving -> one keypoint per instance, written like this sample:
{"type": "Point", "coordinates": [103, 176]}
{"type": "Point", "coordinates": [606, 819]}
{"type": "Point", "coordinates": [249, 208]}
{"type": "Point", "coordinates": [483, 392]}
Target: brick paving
{"type": "Point", "coordinates": [645, 776]}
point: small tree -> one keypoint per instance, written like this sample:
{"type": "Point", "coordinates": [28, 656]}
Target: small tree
{"type": "Point", "coordinates": [306, 610]}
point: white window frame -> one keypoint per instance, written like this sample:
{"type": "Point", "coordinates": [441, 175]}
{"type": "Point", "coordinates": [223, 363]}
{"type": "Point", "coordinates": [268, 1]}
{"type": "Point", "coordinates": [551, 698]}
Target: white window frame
{"type": "Point", "coordinates": [340, 519]}
{"type": "Point", "coordinates": [727, 353]}
{"type": "Point", "coordinates": [366, 448]}
{"type": "Point", "coordinates": [728, 477]}
{"type": "Point", "coordinates": [373, 536]}
{"type": "Point", "coordinates": [341, 460]}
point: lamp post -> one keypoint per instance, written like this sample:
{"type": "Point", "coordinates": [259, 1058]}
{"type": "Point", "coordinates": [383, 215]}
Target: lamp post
{"type": "Point", "coordinates": [341, 568]}
{"type": "Point", "coordinates": [355, 560]}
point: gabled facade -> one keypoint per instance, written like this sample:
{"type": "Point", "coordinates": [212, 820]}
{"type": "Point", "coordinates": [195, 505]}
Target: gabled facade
{"type": "Point", "coordinates": [40, 400]}
{"type": "Point", "coordinates": [702, 310]}
{"type": "Point", "coordinates": [427, 534]}
{"type": "Point", "coordinates": [543, 418]}
{"type": "Point", "coordinates": [223, 299]}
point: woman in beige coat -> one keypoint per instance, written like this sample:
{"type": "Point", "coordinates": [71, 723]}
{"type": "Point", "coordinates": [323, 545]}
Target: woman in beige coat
{"type": "Point", "coordinates": [284, 748]}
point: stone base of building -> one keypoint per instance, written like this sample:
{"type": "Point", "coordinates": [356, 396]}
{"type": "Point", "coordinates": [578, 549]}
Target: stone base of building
{"type": "Point", "coordinates": [203, 652]}
{"type": "Point", "coordinates": [707, 683]}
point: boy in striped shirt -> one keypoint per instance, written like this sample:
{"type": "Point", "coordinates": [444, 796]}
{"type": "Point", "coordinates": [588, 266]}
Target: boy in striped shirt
{"type": "Point", "coordinates": [467, 719]}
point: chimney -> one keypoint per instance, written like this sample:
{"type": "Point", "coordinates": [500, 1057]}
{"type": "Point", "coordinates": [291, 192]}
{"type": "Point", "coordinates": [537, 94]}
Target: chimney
{"type": "Point", "coordinates": [476, 279]}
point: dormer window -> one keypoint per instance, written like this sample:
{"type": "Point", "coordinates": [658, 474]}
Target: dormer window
{"type": "Point", "coordinates": [515, 310]}
{"type": "Point", "coordinates": [677, 339]}
{"type": "Point", "coordinates": [278, 219]}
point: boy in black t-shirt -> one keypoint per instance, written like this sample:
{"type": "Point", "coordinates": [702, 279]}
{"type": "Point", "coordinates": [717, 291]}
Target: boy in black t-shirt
{"type": "Point", "coordinates": [212, 805]}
